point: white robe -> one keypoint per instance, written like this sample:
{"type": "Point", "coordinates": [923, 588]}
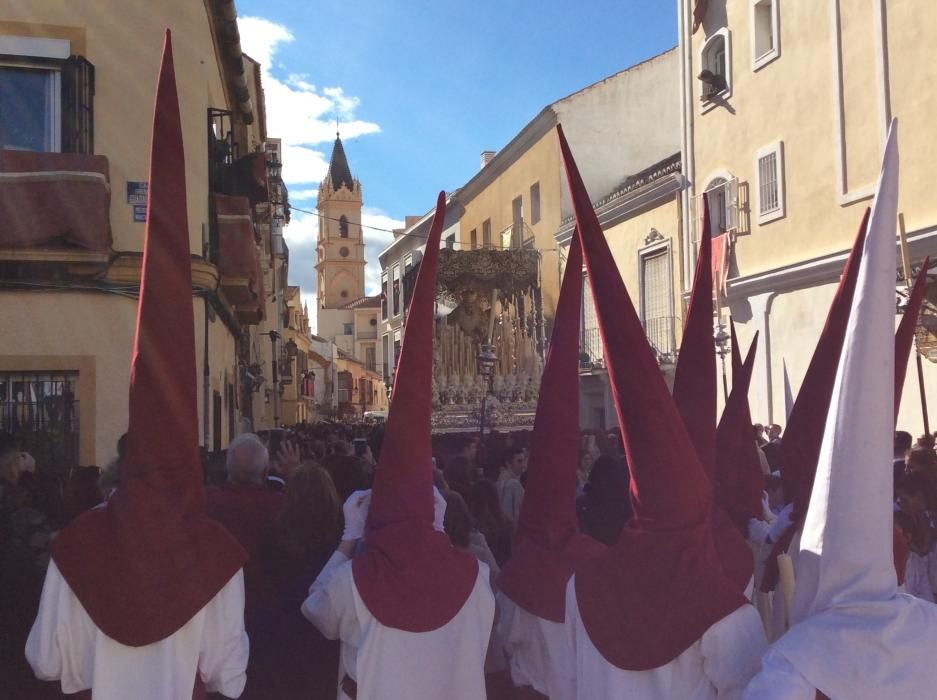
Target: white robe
{"type": "Point", "coordinates": [65, 645]}
{"type": "Point", "coordinates": [718, 665]}
{"type": "Point", "coordinates": [538, 651]}
{"type": "Point", "coordinates": [920, 577]}
{"type": "Point", "coordinates": [863, 651]}
{"type": "Point", "coordinates": [390, 664]}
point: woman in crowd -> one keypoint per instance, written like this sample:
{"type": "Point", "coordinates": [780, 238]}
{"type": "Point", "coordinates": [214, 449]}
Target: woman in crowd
{"type": "Point", "coordinates": [289, 657]}
{"type": "Point", "coordinates": [491, 522]}
{"type": "Point", "coordinates": [604, 507]}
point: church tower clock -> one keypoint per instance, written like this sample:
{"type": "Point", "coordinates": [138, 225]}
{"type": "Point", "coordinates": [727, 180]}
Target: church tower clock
{"type": "Point", "coordinates": [340, 251]}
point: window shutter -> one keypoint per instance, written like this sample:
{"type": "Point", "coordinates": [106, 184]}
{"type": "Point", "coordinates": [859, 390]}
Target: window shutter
{"type": "Point", "coordinates": [77, 105]}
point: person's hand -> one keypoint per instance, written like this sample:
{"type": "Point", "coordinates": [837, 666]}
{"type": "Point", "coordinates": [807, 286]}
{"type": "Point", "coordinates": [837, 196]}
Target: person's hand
{"type": "Point", "coordinates": [356, 514]}
{"type": "Point", "coordinates": [288, 459]}
{"type": "Point", "coordinates": [766, 514]}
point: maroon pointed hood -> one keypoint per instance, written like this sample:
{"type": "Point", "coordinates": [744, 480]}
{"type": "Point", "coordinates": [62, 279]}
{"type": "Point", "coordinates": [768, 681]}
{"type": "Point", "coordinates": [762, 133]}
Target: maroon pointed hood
{"type": "Point", "coordinates": [651, 596]}
{"type": "Point", "coordinates": [694, 383]}
{"type": "Point", "coordinates": [739, 481]}
{"type": "Point", "coordinates": [904, 337]}
{"type": "Point", "coordinates": [548, 544]}
{"type": "Point", "coordinates": [695, 394]}
{"type": "Point", "coordinates": [409, 576]}
{"type": "Point", "coordinates": [146, 563]}
{"type": "Point", "coordinates": [800, 447]}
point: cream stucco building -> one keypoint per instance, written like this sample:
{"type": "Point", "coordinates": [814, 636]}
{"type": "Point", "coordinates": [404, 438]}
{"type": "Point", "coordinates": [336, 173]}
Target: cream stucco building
{"type": "Point", "coordinates": [71, 247]}
{"type": "Point", "coordinates": [785, 108]}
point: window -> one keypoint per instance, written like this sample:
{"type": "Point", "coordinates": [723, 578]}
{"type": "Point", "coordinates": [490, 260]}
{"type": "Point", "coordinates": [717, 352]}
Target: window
{"type": "Point", "coordinates": [343, 226]}
{"type": "Point", "coordinates": [486, 233]}
{"type": "Point", "coordinates": [450, 241]}
{"type": "Point", "coordinates": [715, 73]}
{"type": "Point", "coordinates": [370, 358]}
{"type": "Point", "coordinates": [590, 343]}
{"type": "Point", "coordinates": [46, 96]}
{"type": "Point", "coordinates": [535, 203]}
{"type": "Point", "coordinates": [769, 162]}
{"type": "Point", "coordinates": [656, 301]}
{"type": "Point", "coordinates": [764, 32]}
{"type": "Point", "coordinates": [41, 409]}
{"type": "Point", "coordinates": [385, 356]}
{"type": "Point", "coordinates": [30, 108]}
{"type": "Point", "coordinates": [723, 204]}
{"type": "Point", "coordinates": [473, 238]}
{"type": "Point", "coordinates": [396, 350]}
{"type": "Point", "coordinates": [395, 282]}
{"type": "Point", "coordinates": [384, 296]}
{"type": "Point", "coordinates": [349, 329]}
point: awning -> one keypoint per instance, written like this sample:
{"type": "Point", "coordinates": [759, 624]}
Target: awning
{"type": "Point", "coordinates": [54, 199]}
{"type": "Point", "coordinates": [238, 257]}
{"type": "Point", "coordinates": [250, 174]}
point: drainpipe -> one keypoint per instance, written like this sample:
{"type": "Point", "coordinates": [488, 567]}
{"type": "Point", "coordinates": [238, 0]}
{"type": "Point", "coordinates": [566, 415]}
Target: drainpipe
{"type": "Point", "coordinates": [206, 382]}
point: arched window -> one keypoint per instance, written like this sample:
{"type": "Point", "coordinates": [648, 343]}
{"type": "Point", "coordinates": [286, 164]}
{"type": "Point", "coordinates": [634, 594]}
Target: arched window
{"type": "Point", "coordinates": [722, 191]}
{"type": "Point", "coordinates": [715, 66]}
{"type": "Point", "coordinates": [343, 226]}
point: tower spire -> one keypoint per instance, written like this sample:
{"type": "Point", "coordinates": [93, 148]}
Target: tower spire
{"type": "Point", "coordinates": [339, 172]}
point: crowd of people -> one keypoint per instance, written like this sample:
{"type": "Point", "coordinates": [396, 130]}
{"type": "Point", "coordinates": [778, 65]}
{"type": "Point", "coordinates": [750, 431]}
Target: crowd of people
{"type": "Point", "coordinates": [680, 556]}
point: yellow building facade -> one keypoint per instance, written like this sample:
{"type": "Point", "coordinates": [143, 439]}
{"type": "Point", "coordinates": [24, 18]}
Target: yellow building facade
{"type": "Point", "coordinates": [69, 310]}
{"type": "Point", "coordinates": [519, 197]}
{"type": "Point", "coordinates": [642, 222]}
{"type": "Point", "coordinates": [785, 109]}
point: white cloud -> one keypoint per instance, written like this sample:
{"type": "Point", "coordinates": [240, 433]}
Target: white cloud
{"type": "Point", "coordinates": [297, 112]}
{"type": "Point", "coordinates": [298, 195]}
{"type": "Point", "coordinates": [303, 116]}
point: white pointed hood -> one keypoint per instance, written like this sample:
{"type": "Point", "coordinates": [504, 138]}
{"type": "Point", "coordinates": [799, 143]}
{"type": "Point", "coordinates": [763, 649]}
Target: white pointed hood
{"type": "Point", "coordinates": [855, 636]}
{"type": "Point", "coordinates": [846, 545]}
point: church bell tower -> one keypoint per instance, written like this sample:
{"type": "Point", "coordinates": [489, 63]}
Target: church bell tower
{"type": "Point", "coordinates": [340, 251]}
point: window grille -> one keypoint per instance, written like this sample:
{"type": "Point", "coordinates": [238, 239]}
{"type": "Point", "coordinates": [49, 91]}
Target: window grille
{"type": "Point", "coordinates": [591, 339]}
{"type": "Point", "coordinates": [768, 183]}
{"type": "Point", "coordinates": [41, 410]}
{"type": "Point", "coordinates": [78, 106]}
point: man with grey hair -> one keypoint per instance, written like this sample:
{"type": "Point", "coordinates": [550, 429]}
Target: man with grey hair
{"type": "Point", "coordinates": [247, 460]}
{"type": "Point", "coordinates": [246, 507]}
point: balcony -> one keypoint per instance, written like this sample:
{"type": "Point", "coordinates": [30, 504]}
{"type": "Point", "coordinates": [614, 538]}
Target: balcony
{"type": "Point", "coordinates": [238, 258]}
{"type": "Point", "coordinates": [517, 235]}
{"type": "Point", "coordinates": [591, 352]}
{"type": "Point", "coordinates": [661, 334]}
{"type": "Point", "coordinates": [55, 200]}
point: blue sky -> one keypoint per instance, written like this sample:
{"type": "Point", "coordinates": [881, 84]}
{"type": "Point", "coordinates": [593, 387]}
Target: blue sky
{"type": "Point", "coordinates": [421, 88]}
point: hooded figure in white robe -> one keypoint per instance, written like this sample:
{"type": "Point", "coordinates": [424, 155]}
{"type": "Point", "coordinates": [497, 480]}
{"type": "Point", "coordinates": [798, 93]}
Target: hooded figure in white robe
{"type": "Point", "coordinates": [413, 613]}
{"type": "Point", "coordinates": [853, 635]}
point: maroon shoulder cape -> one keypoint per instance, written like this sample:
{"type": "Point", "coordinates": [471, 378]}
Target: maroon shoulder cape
{"type": "Point", "coordinates": [650, 597]}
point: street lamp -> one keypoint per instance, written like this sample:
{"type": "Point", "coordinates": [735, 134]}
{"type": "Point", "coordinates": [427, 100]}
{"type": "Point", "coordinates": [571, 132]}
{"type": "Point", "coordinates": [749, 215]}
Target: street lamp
{"type": "Point", "coordinates": [486, 368]}
{"type": "Point", "coordinates": [274, 167]}
{"type": "Point", "coordinates": [721, 338]}
{"type": "Point", "coordinates": [274, 337]}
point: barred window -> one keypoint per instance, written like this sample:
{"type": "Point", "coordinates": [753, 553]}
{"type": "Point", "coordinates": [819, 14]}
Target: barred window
{"type": "Point", "coordinates": [769, 163]}
{"type": "Point", "coordinates": [40, 409]}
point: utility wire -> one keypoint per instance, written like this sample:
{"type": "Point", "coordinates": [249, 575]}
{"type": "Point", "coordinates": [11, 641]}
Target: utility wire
{"type": "Point", "coordinates": [466, 246]}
